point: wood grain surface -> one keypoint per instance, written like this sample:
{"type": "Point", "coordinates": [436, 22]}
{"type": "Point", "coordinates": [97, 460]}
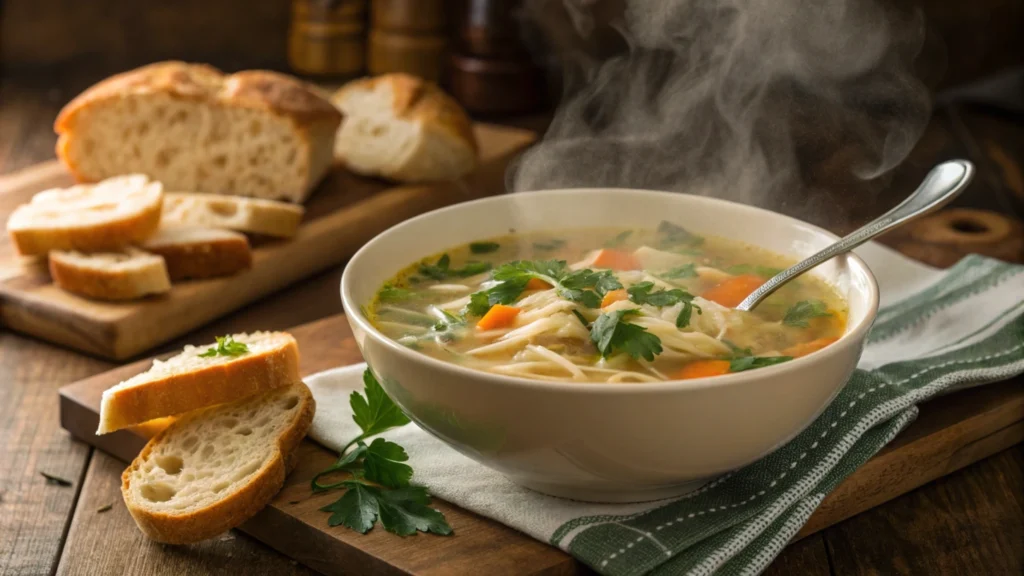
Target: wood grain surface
{"type": "Point", "coordinates": [343, 213]}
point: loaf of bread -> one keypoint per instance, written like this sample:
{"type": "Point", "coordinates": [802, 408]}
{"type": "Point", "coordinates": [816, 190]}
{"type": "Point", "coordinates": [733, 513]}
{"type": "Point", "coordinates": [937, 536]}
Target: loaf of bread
{"type": "Point", "coordinates": [197, 378]}
{"type": "Point", "coordinates": [125, 275]}
{"type": "Point", "coordinates": [99, 217]}
{"type": "Point", "coordinates": [192, 252]}
{"type": "Point", "coordinates": [252, 215]}
{"type": "Point", "coordinates": [253, 133]}
{"type": "Point", "coordinates": [403, 128]}
{"type": "Point", "coordinates": [215, 468]}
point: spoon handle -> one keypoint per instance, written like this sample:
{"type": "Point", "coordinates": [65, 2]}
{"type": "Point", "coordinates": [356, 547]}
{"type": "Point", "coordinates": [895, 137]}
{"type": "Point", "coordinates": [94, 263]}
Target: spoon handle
{"type": "Point", "coordinates": [942, 184]}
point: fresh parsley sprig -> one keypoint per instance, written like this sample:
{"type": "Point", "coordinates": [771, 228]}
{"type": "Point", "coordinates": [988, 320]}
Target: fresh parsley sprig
{"type": "Point", "coordinates": [611, 332]}
{"type": "Point", "coordinates": [642, 293]}
{"type": "Point", "coordinates": [226, 346]}
{"type": "Point", "coordinates": [378, 486]}
{"type": "Point", "coordinates": [800, 313]}
{"type": "Point", "coordinates": [585, 287]}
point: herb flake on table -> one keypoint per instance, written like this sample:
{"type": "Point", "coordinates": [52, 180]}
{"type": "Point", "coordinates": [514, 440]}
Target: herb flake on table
{"type": "Point", "coordinates": [54, 479]}
{"type": "Point", "coordinates": [226, 346]}
{"type": "Point", "coordinates": [800, 313]}
{"type": "Point", "coordinates": [378, 488]}
{"type": "Point", "coordinates": [104, 508]}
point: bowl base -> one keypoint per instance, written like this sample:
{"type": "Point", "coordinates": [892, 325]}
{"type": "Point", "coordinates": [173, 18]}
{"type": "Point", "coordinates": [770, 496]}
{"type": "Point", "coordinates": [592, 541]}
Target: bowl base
{"type": "Point", "coordinates": [617, 495]}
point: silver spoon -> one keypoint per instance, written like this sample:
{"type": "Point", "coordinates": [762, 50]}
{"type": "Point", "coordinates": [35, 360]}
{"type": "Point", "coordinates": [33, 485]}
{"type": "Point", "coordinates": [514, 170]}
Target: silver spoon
{"type": "Point", "coordinates": [941, 185]}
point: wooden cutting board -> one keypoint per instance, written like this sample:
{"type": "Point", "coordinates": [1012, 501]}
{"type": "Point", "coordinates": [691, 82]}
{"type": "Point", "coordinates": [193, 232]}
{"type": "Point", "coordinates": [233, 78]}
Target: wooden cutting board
{"type": "Point", "coordinates": [344, 212]}
{"type": "Point", "coordinates": [950, 433]}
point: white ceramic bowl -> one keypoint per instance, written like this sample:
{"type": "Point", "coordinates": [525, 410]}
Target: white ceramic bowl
{"type": "Point", "coordinates": [607, 442]}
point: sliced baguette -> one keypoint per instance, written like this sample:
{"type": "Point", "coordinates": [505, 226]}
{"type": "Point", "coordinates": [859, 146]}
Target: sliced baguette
{"type": "Point", "coordinates": [196, 252]}
{"type": "Point", "coordinates": [189, 381]}
{"type": "Point", "coordinates": [250, 215]}
{"type": "Point", "coordinates": [109, 215]}
{"type": "Point", "coordinates": [253, 133]}
{"type": "Point", "coordinates": [215, 468]}
{"type": "Point", "coordinates": [403, 128]}
{"type": "Point", "coordinates": [124, 275]}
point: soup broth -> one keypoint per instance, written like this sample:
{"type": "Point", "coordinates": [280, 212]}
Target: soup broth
{"type": "Point", "coordinates": [606, 305]}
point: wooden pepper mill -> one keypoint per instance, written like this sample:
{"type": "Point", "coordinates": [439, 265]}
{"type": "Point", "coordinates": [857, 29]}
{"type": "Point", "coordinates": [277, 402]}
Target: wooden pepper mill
{"type": "Point", "coordinates": [327, 37]}
{"type": "Point", "coordinates": [490, 71]}
{"type": "Point", "coordinates": [408, 36]}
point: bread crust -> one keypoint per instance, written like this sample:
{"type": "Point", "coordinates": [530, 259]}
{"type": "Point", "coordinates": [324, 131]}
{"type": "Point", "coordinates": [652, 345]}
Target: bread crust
{"type": "Point", "coordinates": [174, 394]}
{"type": "Point", "coordinates": [207, 522]}
{"type": "Point", "coordinates": [259, 216]}
{"type": "Point", "coordinates": [107, 284]}
{"type": "Point", "coordinates": [194, 259]}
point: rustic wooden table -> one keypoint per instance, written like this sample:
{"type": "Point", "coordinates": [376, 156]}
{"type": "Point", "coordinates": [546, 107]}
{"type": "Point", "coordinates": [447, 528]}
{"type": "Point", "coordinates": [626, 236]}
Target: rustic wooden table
{"type": "Point", "coordinates": [971, 521]}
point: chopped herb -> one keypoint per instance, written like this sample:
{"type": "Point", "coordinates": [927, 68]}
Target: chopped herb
{"type": "Point", "coordinates": [472, 268]}
{"type": "Point", "coordinates": [738, 352]}
{"type": "Point", "coordinates": [804, 310]}
{"type": "Point", "coordinates": [549, 245]}
{"type": "Point", "coordinates": [684, 271]}
{"type": "Point", "coordinates": [672, 236]}
{"type": "Point", "coordinates": [641, 293]}
{"type": "Point", "coordinates": [751, 362]}
{"type": "Point", "coordinates": [483, 247]}
{"type": "Point", "coordinates": [619, 239]}
{"type": "Point", "coordinates": [104, 508]}
{"type": "Point", "coordinates": [683, 319]}
{"type": "Point", "coordinates": [379, 487]}
{"type": "Point", "coordinates": [584, 287]}
{"type": "Point", "coordinates": [762, 271]}
{"type": "Point", "coordinates": [442, 270]}
{"type": "Point", "coordinates": [390, 293]}
{"type": "Point", "coordinates": [582, 319]}
{"type": "Point", "coordinates": [51, 479]}
{"type": "Point", "coordinates": [610, 332]}
{"type": "Point", "coordinates": [226, 346]}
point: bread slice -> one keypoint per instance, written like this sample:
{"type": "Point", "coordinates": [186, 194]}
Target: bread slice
{"type": "Point", "coordinates": [195, 252]}
{"type": "Point", "coordinates": [189, 381]}
{"type": "Point", "coordinates": [254, 133]}
{"type": "Point", "coordinates": [92, 218]}
{"type": "Point", "coordinates": [403, 128]}
{"type": "Point", "coordinates": [213, 469]}
{"type": "Point", "coordinates": [124, 275]}
{"type": "Point", "coordinates": [251, 215]}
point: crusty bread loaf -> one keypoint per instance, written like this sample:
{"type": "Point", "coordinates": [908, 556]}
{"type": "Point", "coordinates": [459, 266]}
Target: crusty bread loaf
{"type": "Point", "coordinates": [254, 133]}
{"type": "Point", "coordinates": [124, 275]}
{"type": "Point", "coordinates": [403, 128]}
{"type": "Point", "coordinates": [213, 469]}
{"type": "Point", "coordinates": [190, 381]}
{"type": "Point", "coordinates": [109, 215]}
{"type": "Point", "coordinates": [251, 215]}
{"type": "Point", "coordinates": [196, 252]}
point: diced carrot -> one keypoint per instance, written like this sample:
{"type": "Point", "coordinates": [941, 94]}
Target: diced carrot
{"type": "Point", "coordinates": [615, 260]}
{"type": "Point", "coordinates": [805, 348]}
{"type": "Point", "coordinates": [703, 369]}
{"type": "Point", "coordinates": [499, 316]}
{"type": "Point", "coordinates": [613, 297]}
{"type": "Point", "coordinates": [732, 291]}
{"type": "Point", "coordinates": [537, 284]}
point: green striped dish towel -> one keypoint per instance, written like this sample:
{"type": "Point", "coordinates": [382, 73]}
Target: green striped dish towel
{"type": "Point", "coordinates": [937, 331]}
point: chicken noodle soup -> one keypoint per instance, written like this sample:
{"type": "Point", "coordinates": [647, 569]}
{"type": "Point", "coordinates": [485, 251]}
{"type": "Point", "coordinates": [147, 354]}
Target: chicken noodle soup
{"type": "Point", "coordinates": [606, 305]}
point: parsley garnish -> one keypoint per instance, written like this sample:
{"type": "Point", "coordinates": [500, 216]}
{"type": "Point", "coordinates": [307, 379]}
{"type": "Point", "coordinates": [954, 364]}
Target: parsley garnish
{"type": "Point", "coordinates": [619, 239]}
{"type": "Point", "coordinates": [641, 293]}
{"type": "Point", "coordinates": [683, 319]}
{"type": "Point", "coordinates": [584, 287]}
{"type": "Point", "coordinates": [684, 271]}
{"type": "Point", "coordinates": [549, 245]}
{"type": "Point", "coordinates": [804, 310]}
{"type": "Point", "coordinates": [750, 362]}
{"type": "Point", "coordinates": [582, 319]}
{"type": "Point", "coordinates": [379, 487]}
{"type": "Point", "coordinates": [762, 271]}
{"type": "Point", "coordinates": [226, 346]}
{"type": "Point", "coordinates": [671, 235]}
{"type": "Point", "coordinates": [611, 332]}
{"type": "Point", "coordinates": [390, 293]}
{"type": "Point", "coordinates": [442, 270]}
{"type": "Point", "coordinates": [483, 247]}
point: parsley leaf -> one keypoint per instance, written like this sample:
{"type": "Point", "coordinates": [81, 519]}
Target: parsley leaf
{"type": "Point", "coordinates": [376, 412]}
{"type": "Point", "coordinates": [584, 287]}
{"type": "Point", "coordinates": [671, 235]}
{"type": "Point", "coordinates": [383, 464]}
{"type": "Point", "coordinates": [611, 332]}
{"type": "Point", "coordinates": [581, 318]}
{"type": "Point", "coordinates": [442, 270]}
{"type": "Point", "coordinates": [226, 346]}
{"type": "Point", "coordinates": [683, 319]}
{"type": "Point", "coordinates": [357, 508]}
{"type": "Point", "coordinates": [549, 245]}
{"type": "Point", "coordinates": [483, 247]}
{"type": "Point", "coordinates": [804, 310]}
{"type": "Point", "coordinates": [641, 293]}
{"type": "Point", "coordinates": [762, 271]}
{"type": "Point", "coordinates": [750, 362]}
{"type": "Point", "coordinates": [405, 516]}
{"type": "Point", "coordinates": [684, 271]}
{"type": "Point", "coordinates": [619, 239]}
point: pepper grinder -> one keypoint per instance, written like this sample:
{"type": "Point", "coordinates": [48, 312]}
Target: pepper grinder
{"type": "Point", "coordinates": [408, 36]}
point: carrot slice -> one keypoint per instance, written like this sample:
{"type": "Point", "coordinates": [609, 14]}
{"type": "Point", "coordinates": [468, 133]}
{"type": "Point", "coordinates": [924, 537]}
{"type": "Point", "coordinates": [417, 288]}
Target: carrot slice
{"type": "Point", "coordinates": [613, 297]}
{"type": "Point", "coordinates": [615, 260]}
{"type": "Point", "coordinates": [703, 369]}
{"type": "Point", "coordinates": [805, 348]}
{"type": "Point", "coordinates": [732, 291]}
{"type": "Point", "coordinates": [537, 284]}
{"type": "Point", "coordinates": [499, 316]}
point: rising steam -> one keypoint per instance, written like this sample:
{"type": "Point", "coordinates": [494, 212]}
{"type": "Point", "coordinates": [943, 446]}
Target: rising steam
{"type": "Point", "coordinates": [758, 101]}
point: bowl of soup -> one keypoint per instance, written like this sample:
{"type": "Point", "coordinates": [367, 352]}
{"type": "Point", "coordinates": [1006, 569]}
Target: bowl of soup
{"type": "Point", "coordinates": [585, 343]}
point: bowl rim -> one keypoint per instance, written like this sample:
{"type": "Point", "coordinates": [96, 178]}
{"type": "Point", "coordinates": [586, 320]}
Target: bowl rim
{"type": "Point", "coordinates": [852, 337]}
